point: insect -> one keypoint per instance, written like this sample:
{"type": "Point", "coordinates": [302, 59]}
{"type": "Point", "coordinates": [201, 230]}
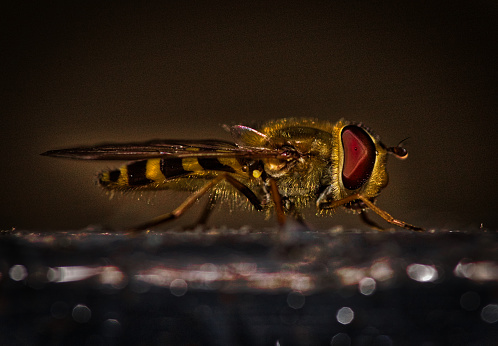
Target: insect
{"type": "Point", "coordinates": [284, 166]}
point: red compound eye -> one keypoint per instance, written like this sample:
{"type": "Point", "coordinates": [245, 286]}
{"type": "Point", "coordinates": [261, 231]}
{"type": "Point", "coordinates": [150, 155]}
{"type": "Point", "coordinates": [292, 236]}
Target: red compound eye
{"type": "Point", "coordinates": [359, 157]}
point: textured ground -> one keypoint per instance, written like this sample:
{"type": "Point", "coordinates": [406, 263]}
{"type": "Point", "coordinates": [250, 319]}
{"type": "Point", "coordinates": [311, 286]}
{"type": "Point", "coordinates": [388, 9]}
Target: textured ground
{"type": "Point", "coordinates": [248, 287]}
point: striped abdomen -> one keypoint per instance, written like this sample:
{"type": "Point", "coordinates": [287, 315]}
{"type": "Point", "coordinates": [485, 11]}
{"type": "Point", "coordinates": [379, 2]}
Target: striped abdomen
{"type": "Point", "coordinates": [153, 173]}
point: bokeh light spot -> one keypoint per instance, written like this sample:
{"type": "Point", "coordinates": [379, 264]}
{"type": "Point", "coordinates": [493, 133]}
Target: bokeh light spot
{"type": "Point", "coordinates": [111, 327]}
{"type": "Point", "coordinates": [367, 286]}
{"type": "Point", "coordinates": [422, 272]}
{"type": "Point", "coordinates": [340, 339]}
{"type": "Point", "coordinates": [296, 300]}
{"type": "Point", "coordinates": [490, 313]}
{"type": "Point", "coordinates": [18, 272]}
{"type": "Point", "coordinates": [178, 287]}
{"type": "Point", "coordinates": [81, 313]}
{"type": "Point", "coordinates": [345, 315]}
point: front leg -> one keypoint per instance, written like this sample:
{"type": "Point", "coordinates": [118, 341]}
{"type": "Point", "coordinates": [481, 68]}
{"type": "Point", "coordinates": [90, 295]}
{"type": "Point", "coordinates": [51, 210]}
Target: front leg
{"type": "Point", "coordinates": [383, 214]}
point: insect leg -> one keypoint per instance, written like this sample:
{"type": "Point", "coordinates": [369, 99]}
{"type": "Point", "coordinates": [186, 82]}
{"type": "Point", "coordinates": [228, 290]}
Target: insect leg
{"type": "Point", "coordinates": [277, 200]}
{"type": "Point", "coordinates": [206, 212]}
{"type": "Point", "coordinates": [180, 209]}
{"type": "Point", "coordinates": [208, 208]}
{"type": "Point", "coordinates": [253, 199]}
{"type": "Point", "coordinates": [383, 214]}
{"type": "Point", "coordinates": [386, 216]}
{"type": "Point", "coordinates": [367, 220]}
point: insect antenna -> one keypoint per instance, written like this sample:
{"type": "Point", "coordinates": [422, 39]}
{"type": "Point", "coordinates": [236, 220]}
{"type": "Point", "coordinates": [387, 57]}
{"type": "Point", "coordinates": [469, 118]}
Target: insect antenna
{"type": "Point", "coordinates": [399, 151]}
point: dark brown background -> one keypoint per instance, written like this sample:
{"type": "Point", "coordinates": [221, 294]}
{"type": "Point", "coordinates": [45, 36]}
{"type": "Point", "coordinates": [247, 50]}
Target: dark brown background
{"type": "Point", "coordinates": [80, 73]}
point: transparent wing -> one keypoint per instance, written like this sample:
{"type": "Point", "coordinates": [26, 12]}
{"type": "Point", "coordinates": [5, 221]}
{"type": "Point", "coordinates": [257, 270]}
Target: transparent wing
{"type": "Point", "coordinates": [167, 148]}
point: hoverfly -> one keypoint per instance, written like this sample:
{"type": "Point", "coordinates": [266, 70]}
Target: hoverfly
{"type": "Point", "coordinates": [284, 166]}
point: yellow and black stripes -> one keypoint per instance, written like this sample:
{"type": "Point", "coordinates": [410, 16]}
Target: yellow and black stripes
{"type": "Point", "coordinates": [158, 171]}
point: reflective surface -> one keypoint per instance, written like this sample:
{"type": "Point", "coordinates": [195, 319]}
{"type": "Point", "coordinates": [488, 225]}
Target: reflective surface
{"type": "Point", "coordinates": [249, 287]}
